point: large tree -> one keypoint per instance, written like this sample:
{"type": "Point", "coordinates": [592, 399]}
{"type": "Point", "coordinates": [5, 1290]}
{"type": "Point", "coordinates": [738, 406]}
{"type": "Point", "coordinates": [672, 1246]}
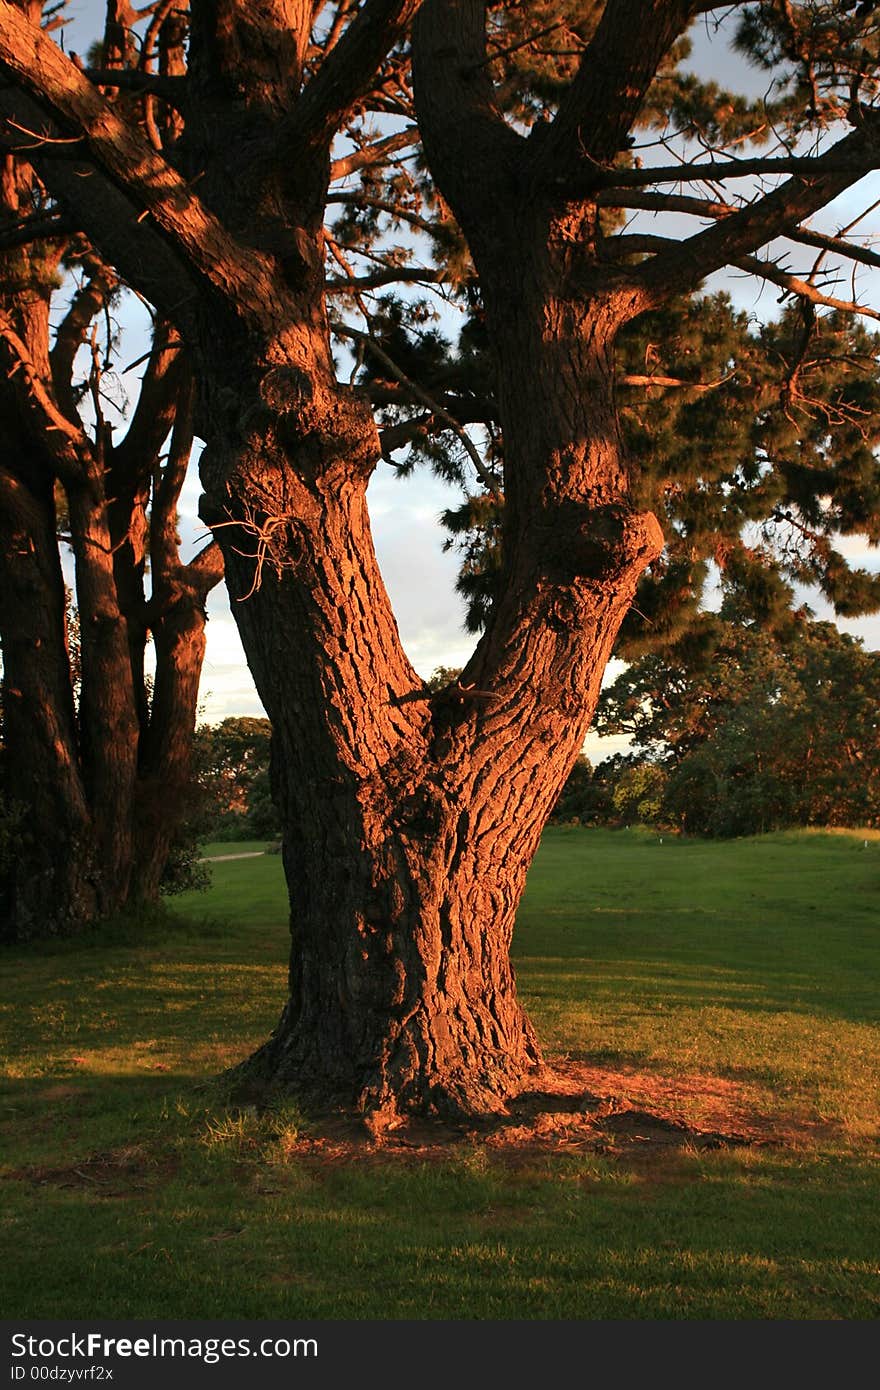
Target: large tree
{"type": "Point", "coordinates": [410, 816]}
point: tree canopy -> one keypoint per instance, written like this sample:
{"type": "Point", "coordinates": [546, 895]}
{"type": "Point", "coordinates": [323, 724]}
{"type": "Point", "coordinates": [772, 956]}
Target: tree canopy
{"type": "Point", "coordinates": [743, 732]}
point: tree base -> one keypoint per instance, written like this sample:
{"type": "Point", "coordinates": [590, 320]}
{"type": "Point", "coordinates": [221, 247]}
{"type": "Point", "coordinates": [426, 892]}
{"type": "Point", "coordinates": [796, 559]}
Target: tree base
{"type": "Point", "coordinates": [405, 1076]}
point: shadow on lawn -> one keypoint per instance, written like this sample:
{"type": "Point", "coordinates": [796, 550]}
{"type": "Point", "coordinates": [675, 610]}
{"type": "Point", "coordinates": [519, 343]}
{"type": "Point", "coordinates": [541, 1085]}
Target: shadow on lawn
{"type": "Point", "coordinates": [849, 995]}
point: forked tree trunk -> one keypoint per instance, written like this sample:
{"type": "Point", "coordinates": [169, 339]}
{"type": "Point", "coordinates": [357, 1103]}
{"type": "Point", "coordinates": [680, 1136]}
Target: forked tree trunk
{"type": "Point", "coordinates": [410, 820]}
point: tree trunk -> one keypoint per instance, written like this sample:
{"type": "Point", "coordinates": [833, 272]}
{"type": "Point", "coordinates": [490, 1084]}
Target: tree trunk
{"type": "Point", "coordinates": [47, 875]}
{"type": "Point", "coordinates": [410, 820]}
{"type": "Point", "coordinates": [107, 717]}
{"type": "Point", "coordinates": [164, 787]}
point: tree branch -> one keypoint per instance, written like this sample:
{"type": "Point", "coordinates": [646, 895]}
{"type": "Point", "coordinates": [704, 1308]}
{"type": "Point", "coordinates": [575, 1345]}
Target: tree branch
{"type": "Point", "coordinates": [170, 89]}
{"type": "Point", "coordinates": [589, 179]}
{"type": "Point", "coordinates": [617, 68]}
{"type": "Point", "coordinates": [372, 154]}
{"type": "Point", "coordinates": [739, 234]}
{"type": "Point", "coordinates": [664, 202]}
{"type": "Point", "coordinates": [402, 275]}
{"type": "Point", "coordinates": [346, 74]}
{"type": "Point", "coordinates": [198, 240]}
{"type": "Point", "coordinates": [473, 153]}
{"type": "Point", "coordinates": [422, 396]}
{"type": "Point", "coordinates": [802, 288]}
{"type": "Point", "coordinates": [66, 441]}
{"type": "Point", "coordinates": [702, 207]}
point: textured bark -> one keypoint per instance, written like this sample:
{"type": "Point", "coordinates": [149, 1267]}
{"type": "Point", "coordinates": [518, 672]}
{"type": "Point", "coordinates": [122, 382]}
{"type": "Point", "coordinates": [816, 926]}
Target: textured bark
{"type": "Point", "coordinates": [176, 617]}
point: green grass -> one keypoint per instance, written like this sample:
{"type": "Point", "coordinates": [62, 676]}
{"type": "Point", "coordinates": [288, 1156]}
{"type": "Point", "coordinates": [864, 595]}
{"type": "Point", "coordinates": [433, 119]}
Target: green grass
{"type": "Point", "coordinates": [131, 1190]}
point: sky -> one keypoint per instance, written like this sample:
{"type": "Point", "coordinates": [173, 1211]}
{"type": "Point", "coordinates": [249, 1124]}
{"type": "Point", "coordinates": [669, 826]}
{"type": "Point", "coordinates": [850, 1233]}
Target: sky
{"type": "Point", "coordinates": [419, 576]}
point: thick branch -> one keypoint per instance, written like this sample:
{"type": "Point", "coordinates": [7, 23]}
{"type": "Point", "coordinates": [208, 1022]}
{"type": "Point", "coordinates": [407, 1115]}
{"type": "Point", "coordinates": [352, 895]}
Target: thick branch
{"type": "Point", "coordinates": [39, 67]}
{"type": "Point", "coordinates": [205, 570]}
{"type": "Point", "coordinates": [401, 214]}
{"type": "Point", "coordinates": [66, 441]}
{"type": "Point", "coordinates": [155, 412]}
{"type": "Point", "coordinates": [166, 492]}
{"type": "Point", "coordinates": [404, 432]}
{"type": "Point", "coordinates": [170, 89]}
{"type": "Point", "coordinates": [346, 73]}
{"type": "Point", "coordinates": [86, 304]}
{"type": "Point", "coordinates": [700, 207]}
{"type": "Point", "coordinates": [109, 218]}
{"type": "Point", "coordinates": [805, 236]}
{"type": "Point", "coordinates": [617, 68]}
{"type": "Point", "coordinates": [664, 202]}
{"type": "Point", "coordinates": [474, 155]}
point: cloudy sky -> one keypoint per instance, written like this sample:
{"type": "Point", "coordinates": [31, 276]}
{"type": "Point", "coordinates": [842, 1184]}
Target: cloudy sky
{"type": "Point", "coordinates": [419, 576]}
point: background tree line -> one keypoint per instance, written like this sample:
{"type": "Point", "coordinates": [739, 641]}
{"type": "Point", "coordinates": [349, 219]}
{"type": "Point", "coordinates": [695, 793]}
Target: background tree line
{"type": "Point", "coordinates": [737, 730]}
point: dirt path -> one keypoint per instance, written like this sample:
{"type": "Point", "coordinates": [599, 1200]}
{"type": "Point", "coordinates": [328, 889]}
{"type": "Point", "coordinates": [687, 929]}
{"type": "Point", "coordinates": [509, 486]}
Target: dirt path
{"type": "Point", "coordinates": [219, 858]}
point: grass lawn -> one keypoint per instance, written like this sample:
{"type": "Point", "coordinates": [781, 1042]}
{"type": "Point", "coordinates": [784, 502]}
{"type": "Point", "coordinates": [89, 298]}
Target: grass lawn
{"type": "Point", "coordinates": [727, 987]}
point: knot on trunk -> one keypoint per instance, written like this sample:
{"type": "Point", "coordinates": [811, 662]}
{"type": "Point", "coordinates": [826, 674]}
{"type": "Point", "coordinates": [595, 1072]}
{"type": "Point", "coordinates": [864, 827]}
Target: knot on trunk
{"type": "Point", "coordinates": [320, 429]}
{"type": "Point", "coordinates": [596, 543]}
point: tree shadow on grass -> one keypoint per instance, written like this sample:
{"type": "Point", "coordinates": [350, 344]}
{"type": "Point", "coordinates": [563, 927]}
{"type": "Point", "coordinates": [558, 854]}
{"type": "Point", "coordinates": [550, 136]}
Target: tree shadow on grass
{"type": "Point", "coordinates": [845, 994]}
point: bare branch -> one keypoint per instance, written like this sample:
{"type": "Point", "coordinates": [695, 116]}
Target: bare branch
{"type": "Point", "coordinates": [590, 179]}
{"type": "Point", "coordinates": [792, 284]}
{"type": "Point", "coordinates": [664, 202]}
{"type": "Point", "coordinates": [805, 236]}
{"type": "Point", "coordinates": [373, 154]}
{"type": "Point", "coordinates": [205, 570]}
{"type": "Point", "coordinates": [404, 432]}
{"type": "Point", "coordinates": [156, 410]}
{"type": "Point", "coordinates": [394, 275]}
{"type": "Point", "coordinates": [763, 220]}
{"type": "Point", "coordinates": [471, 149]}
{"type": "Point", "coordinates": [413, 219]}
